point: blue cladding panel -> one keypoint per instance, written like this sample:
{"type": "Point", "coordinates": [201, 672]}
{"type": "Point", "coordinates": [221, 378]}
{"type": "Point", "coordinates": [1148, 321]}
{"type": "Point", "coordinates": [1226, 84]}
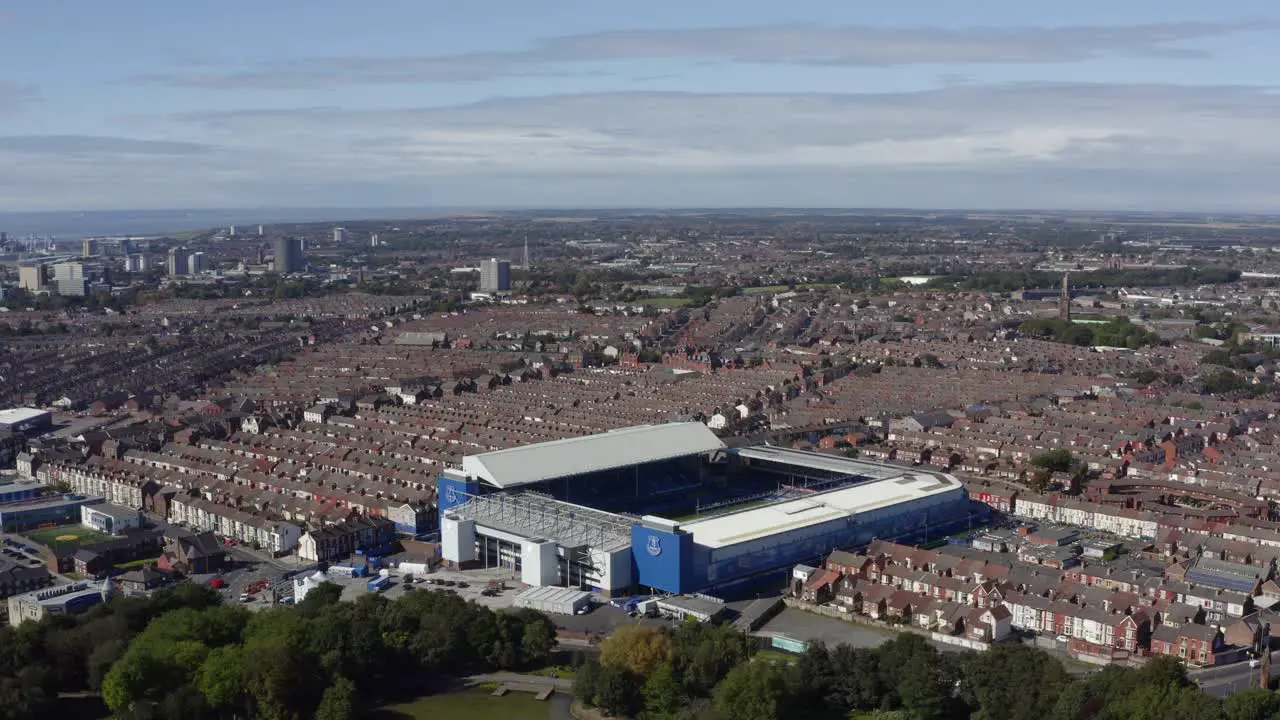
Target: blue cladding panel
{"type": "Point", "coordinates": [451, 492]}
{"type": "Point", "coordinates": [660, 559]}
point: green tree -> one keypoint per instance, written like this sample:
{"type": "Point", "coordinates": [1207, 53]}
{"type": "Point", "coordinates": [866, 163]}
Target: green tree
{"type": "Point", "coordinates": [618, 691]}
{"type": "Point", "coordinates": [1009, 682]}
{"type": "Point", "coordinates": [1056, 460]}
{"type": "Point", "coordinates": [662, 694]}
{"type": "Point", "coordinates": [1251, 704]}
{"type": "Point", "coordinates": [223, 679]}
{"type": "Point", "coordinates": [320, 597]}
{"type": "Point", "coordinates": [339, 701]}
{"type": "Point", "coordinates": [753, 691]}
{"type": "Point", "coordinates": [586, 683]}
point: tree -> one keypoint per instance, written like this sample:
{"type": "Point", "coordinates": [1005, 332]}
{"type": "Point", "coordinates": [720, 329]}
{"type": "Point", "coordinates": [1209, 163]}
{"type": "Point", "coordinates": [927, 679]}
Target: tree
{"type": "Point", "coordinates": [223, 679]}
{"type": "Point", "coordinates": [639, 649]}
{"type": "Point", "coordinates": [586, 684]}
{"type": "Point", "coordinates": [1056, 460]}
{"type": "Point", "coordinates": [661, 693]}
{"type": "Point", "coordinates": [339, 701]}
{"type": "Point", "coordinates": [618, 691]}
{"type": "Point", "coordinates": [1012, 681]}
{"type": "Point", "coordinates": [1251, 704]}
{"type": "Point", "coordinates": [319, 597]}
{"type": "Point", "coordinates": [752, 691]}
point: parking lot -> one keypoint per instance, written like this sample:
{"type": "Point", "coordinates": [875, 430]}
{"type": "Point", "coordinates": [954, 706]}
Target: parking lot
{"type": "Point", "coordinates": [18, 549]}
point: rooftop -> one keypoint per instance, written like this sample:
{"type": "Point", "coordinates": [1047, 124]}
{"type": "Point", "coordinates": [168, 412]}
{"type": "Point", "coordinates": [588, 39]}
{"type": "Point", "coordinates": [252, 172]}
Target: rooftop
{"type": "Point", "coordinates": [593, 453]}
{"type": "Point", "coordinates": [733, 528]}
{"type": "Point", "coordinates": [13, 416]}
{"type": "Point", "coordinates": [818, 461]}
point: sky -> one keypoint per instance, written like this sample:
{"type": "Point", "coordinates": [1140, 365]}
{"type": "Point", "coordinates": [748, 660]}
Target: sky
{"type": "Point", "coordinates": [993, 104]}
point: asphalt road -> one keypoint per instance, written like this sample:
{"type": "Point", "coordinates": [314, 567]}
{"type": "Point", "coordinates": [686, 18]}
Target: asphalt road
{"type": "Point", "coordinates": [1227, 679]}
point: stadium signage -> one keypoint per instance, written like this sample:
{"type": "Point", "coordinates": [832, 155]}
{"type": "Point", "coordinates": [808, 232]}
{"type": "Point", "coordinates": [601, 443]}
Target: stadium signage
{"type": "Point", "coordinates": [654, 546]}
{"type": "Point", "coordinates": [451, 495]}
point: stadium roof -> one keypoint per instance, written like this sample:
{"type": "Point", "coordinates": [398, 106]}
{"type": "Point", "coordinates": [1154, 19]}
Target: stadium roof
{"type": "Point", "coordinates": [14, 416]}
{"type": "Point", "coordinates": [577, 456]}
{"type": "Point", "coordinates": [818, 461]}
{"type": "Point", "coordinates": [734, 528]}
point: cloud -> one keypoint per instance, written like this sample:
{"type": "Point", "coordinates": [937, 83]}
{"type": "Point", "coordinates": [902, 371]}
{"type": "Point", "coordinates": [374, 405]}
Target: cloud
{"type": "Point", "coordinates": [1019, 145]}
{"type": "Point", "coordinates": [80, 145]}
{"type": "Point", "coordinates": [13, 95]}
{"type": "Point", "coordinates": [852, 46]}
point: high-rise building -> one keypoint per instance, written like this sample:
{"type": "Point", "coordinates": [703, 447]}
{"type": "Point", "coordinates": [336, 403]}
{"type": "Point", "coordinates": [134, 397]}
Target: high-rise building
{"type": "Point", "coordinates": [31, 278]}
{"type": "Point", "coordinates": [373, 240]}
{"type": "Point", "coordinates": [70, 278]}
{"type": "Point", "coordinates": [259, 231]}
{"type": "Point", "coordinates": [177, 261]}
{"type": "Point", "coordinates": [231, 231]}
{"type": "Point", "coordinates": [135, 263]}
{"type": "Point", "coordinates": [495, 275]}
{"type": "Point", "coordinates": [89, 247]}
{"type": "Point", "coordinates": [339, 235]}
{"type": "Point", "coordinates": [195, 263]}
{"type": "Point", "coordinates": [288, 255]}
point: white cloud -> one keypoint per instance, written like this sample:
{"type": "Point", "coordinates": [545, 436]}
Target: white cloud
{"type": "Point", "coordinates": [1024, 145]}
{"type": "Point", "coordinates": [854, 46]}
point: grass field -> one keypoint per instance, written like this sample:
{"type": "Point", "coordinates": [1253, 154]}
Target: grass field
{"type": "Point", "coordinates": [776, 657]}
{"type": "Point", "coordinates": [475, 704]}
{"type": "Point", "coordinates": [65, 534]}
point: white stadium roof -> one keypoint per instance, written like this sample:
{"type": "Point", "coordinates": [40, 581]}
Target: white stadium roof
{"type": "Point", "coordinates": [734, 528]}
{"type": "Point", "coordinates": [14, 416]}
{"type": "Point", "coordinates": [592, 453]}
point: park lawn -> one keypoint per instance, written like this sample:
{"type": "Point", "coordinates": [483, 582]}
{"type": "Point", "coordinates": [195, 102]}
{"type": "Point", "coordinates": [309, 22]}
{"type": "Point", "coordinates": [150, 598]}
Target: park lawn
{"type": "Point", "coordinates": [73, 534]}
{"type": "Point", "coordinates": [775, 657]}
{"type": "Point", "coordinates": [473, 704]}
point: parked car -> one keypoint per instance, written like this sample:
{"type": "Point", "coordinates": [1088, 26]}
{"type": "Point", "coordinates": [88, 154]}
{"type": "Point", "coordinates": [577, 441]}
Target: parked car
{"type": "Point", "coordinates": [246, 597]}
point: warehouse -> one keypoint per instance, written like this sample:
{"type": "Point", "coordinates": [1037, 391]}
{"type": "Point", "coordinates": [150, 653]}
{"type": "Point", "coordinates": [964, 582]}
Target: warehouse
{"type": "Point", "coordinates": [24, 420]}
{"type": "Point", "coordinates": [561, 601]}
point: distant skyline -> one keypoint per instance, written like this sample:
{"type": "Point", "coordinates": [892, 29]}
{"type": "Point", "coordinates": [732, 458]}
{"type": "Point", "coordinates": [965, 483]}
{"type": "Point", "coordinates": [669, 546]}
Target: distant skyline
{"type": "Point", "coordinates": [1140, 105]}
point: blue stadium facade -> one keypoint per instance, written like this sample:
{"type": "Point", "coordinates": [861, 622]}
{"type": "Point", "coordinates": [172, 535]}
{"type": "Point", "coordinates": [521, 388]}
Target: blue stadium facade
{"type": "Point", "coordinates": [802, 506]}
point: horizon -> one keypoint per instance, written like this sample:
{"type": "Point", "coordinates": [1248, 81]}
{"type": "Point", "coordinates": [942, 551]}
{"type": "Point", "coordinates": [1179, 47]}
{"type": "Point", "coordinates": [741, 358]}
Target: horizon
{"type": "Point", "coordinates": [1148, 107]}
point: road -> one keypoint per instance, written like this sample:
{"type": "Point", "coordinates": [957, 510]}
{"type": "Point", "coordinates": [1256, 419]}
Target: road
{"type": "Point", "coordinates": [1226, 679]}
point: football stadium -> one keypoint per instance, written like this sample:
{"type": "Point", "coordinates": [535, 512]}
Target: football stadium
{"type": "Point", "coordinates": [671, 509]}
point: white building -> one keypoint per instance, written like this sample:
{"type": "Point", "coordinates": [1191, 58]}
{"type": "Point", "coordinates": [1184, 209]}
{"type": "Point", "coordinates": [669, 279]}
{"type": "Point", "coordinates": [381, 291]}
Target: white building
{"type": "Point", "coordinates": [70, 278]}
{"type": "Point", "coordinates": [110, 519]}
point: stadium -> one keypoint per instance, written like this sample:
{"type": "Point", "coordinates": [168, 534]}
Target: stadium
{"type": "Point", "coordinates": [670, 508]}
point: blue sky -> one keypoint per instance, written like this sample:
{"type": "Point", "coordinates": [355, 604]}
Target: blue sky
{"type": "Point", "coordinates": [992, 104]}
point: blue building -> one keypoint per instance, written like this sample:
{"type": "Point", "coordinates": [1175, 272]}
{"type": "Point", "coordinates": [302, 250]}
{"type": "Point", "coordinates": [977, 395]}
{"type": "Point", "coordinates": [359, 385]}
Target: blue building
{"type": "Point", "coordinates": [719, 552]}
{"type": "Point", "coordinates": [18, 491]}
{"type": "Point", "coordinates": [40, 512]}
{"type": "Point", "coordinates": [578, 512]}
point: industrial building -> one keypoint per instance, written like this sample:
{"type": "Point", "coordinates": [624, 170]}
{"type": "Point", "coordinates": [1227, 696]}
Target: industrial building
{"type": "Point", "coordinates": [70, 599]}
{"type": "Point", "coordinates": [25, 420]}
{"type": "Point", "coordinates": [41, 512]}
{"type": "Point", "coordinates": [592, 512]}
{"type": "Point", "coordinates": [557, 600]}
{"type": "Point", "coordinates": [495, 276]}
